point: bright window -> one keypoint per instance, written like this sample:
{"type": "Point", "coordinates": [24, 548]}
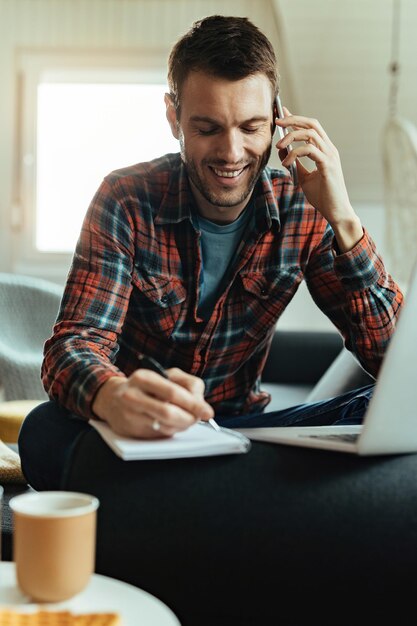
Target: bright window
{"type": "Point", "coordinates": [84, 130]}
{"type": "Point", "coordinates": [79, 115]}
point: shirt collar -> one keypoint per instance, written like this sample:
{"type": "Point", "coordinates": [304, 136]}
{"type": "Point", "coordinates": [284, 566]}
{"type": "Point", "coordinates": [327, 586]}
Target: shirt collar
{"type": "Point", "coordinates": [178, 202]}
{"type": "Point", "coordinates": [266, 204]}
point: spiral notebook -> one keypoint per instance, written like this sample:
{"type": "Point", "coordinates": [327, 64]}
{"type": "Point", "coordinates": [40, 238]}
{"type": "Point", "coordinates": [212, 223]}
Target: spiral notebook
{"type": "Point", "coordinates": [198, 440]}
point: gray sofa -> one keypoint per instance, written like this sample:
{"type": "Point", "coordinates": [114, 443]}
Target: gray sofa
{"type": "Point", "coordinates": [28, 308]}
{"type": "Point", "coordinates": [281, 536]}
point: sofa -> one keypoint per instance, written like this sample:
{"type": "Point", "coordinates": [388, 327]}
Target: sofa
{"type": "Point", "coordinates": [28, 308]}
{"type": "Point", "coordinates": [280, 536]}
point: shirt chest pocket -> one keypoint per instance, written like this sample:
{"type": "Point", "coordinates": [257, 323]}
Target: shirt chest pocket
{"type": "Point", "coordinates": [156, 302]}
{"type": "Point", "coordinates": [264, 298]}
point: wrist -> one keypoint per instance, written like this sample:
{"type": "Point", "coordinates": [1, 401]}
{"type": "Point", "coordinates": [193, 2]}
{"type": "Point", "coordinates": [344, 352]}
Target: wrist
{"type": "Point", "coordinates": [104, 396]}
{"type": "Point", "coordinates": [348, 232]}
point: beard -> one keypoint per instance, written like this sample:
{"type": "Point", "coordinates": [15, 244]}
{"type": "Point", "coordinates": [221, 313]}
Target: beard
{"type": "Point", "coordinates": [228, 197]}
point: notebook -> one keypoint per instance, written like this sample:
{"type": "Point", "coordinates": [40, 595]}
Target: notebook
{"type": "Point", "coordinates": [198, 440]}
{"type": "Point", "coordinates": [390, 423]}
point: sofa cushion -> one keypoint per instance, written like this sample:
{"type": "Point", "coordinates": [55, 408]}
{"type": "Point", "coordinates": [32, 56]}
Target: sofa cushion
{"type": "Point", "coordinates": [300, 356]}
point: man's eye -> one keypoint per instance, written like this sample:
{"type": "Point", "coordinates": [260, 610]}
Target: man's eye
{"type": "Point", "coordinates": [207, 131]}
{"type": "Point", "coordinates": [250, 129]}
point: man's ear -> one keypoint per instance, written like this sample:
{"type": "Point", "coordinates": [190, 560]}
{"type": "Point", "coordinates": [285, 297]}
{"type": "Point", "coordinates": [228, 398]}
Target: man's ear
{"type": "Point", "coordinates": [171, 115]}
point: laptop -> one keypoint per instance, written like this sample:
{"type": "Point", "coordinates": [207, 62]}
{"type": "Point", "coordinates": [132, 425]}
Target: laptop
{"type": "Point", "coordinates": [390, 423]}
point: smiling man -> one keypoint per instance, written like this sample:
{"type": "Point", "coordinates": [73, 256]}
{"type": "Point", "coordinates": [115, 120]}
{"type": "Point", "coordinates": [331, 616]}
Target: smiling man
{"type": "Point", "coordinates": [192, 258]}
{"type": "Point", "coordinates": [225, 138]}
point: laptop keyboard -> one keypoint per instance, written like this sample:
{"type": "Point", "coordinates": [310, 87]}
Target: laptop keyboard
{"type": "Point", "coordinates": [350, 437]}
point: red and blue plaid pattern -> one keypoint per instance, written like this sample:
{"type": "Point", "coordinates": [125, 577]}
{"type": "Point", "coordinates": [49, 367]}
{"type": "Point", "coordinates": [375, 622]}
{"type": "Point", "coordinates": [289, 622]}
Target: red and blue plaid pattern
{"type": "Point", "coordinates": [133, 288]}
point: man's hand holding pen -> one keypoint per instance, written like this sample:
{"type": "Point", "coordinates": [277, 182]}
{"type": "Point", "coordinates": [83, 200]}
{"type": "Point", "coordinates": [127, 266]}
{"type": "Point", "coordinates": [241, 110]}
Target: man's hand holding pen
{"type": "Point", "coordinates": [151, 404]}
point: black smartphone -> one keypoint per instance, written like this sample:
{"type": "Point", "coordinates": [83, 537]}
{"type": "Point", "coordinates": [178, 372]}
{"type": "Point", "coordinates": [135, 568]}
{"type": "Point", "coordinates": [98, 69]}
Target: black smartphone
{"type": "Point", "coordinates": [278, 112]}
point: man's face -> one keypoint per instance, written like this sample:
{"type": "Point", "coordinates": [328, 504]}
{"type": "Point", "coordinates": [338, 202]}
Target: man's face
{"type": "Point", "coordinates": [224, 132]}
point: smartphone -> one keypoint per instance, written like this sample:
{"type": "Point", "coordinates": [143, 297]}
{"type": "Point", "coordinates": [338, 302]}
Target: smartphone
{"type": "Point", "coordinates": [278, 112]}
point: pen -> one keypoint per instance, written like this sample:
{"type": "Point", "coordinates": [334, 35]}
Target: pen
{"type": "Point", "coordinates": [149, 363]}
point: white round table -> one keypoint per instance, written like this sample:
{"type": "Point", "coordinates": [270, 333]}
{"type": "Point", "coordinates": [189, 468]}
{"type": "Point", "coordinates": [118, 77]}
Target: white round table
{"type": "Point", "coordinates": [102, 595]}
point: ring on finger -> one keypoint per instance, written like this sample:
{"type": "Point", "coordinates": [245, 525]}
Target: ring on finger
{"type": "Point", "coordinates": [156, 425]}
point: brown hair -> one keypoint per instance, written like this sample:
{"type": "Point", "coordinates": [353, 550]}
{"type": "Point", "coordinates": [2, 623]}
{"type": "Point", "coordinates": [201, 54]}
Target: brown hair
{"type": "Point", "coordinates": [227, 47]}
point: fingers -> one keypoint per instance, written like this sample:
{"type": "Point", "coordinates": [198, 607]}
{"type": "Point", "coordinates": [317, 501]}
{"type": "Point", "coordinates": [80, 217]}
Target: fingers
{"type": "Point", "coordinates": [300, 121]}
{"type": "Point", "coordinates": [151, 406]}
{"type": "Point", "coordinates": [306, 150]}
{"type": "Point", "coordinates": [194, 384]}
{"type": "Point", "coordinates": [149, 417]}
{"type": "Point", "coordinates": [308, 136]}
{"type": "Point", "coordinates": [303, 128]}
{"type": "Point", "coordinates": [181, 389]}
{"type": "Point", "coordinates": [311, 139]}
{"type": "Point", "coordinates": [196, 387]}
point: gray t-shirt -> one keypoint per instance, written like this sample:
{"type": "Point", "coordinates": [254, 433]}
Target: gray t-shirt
{"type": "Point", "coordinates": [218, 246]}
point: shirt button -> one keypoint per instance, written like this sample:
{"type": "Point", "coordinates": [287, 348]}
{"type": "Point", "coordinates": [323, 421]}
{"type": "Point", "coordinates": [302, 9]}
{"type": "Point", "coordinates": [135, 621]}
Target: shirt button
{"type": "Point", "coordinates": [164, 299]}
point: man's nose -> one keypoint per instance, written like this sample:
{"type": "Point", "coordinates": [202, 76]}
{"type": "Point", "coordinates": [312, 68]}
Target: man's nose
{"type": "Point", "coordinates": [230, 147]}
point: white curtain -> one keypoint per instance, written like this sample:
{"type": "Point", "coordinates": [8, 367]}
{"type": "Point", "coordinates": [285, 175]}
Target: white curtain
{"type": "Point", "coordinates": [400, 180]}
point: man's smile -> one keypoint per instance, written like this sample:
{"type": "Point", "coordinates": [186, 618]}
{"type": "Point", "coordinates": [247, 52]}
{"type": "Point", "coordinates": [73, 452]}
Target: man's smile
{"type": "Point", "coordinates": [229, 176]}
{"type": "Point", "coordinates": [227, 173]}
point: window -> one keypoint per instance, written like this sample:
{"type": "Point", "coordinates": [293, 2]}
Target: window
{"type": "Point", "coordinates": [81, 118]}
{"type": "Point", "coordinates": [83, 132]}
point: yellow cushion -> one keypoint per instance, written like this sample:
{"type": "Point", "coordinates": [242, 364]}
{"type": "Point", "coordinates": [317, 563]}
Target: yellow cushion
{"type": "Point", "coordinates": [12, 414]}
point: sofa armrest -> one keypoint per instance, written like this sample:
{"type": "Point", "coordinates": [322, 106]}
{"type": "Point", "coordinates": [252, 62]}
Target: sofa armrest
{"type": "Point", "coordinates": [301, 356]}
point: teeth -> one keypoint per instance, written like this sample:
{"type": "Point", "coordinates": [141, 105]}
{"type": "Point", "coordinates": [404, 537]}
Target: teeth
{"type": "Point", "coordinates": [227, 174]}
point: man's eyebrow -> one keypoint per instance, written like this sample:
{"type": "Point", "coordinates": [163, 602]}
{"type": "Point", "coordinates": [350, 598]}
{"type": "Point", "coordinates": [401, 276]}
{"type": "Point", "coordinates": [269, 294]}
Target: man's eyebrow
{"type": "Point", "coordinates": [210, 120]}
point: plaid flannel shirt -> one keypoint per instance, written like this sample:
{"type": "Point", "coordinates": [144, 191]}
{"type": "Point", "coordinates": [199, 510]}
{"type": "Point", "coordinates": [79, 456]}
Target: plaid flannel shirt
{"type": "Point", "coordinates": [133, 289]}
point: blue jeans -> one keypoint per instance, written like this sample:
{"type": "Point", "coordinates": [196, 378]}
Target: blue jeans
{"type": "Point", "coordinates": [347, 408]}
{"type": "Point", "coordinates": [49, 433]}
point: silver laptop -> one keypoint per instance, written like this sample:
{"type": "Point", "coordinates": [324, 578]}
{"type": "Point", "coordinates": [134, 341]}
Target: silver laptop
{"type": "Point", "coordinates": [390, 423]}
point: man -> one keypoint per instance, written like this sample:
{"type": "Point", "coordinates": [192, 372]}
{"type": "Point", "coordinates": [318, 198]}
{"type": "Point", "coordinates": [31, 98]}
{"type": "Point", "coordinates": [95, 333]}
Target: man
{"type": "Point", "coordinates": [191, 259]}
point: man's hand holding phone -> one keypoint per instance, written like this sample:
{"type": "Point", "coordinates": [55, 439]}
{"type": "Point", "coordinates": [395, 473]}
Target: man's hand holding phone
{"type": "Point", "coordinates": [324, 186]}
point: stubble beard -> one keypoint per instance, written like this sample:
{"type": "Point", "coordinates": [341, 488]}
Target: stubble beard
{"type": "Point", "coordinates": [228, 198]}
